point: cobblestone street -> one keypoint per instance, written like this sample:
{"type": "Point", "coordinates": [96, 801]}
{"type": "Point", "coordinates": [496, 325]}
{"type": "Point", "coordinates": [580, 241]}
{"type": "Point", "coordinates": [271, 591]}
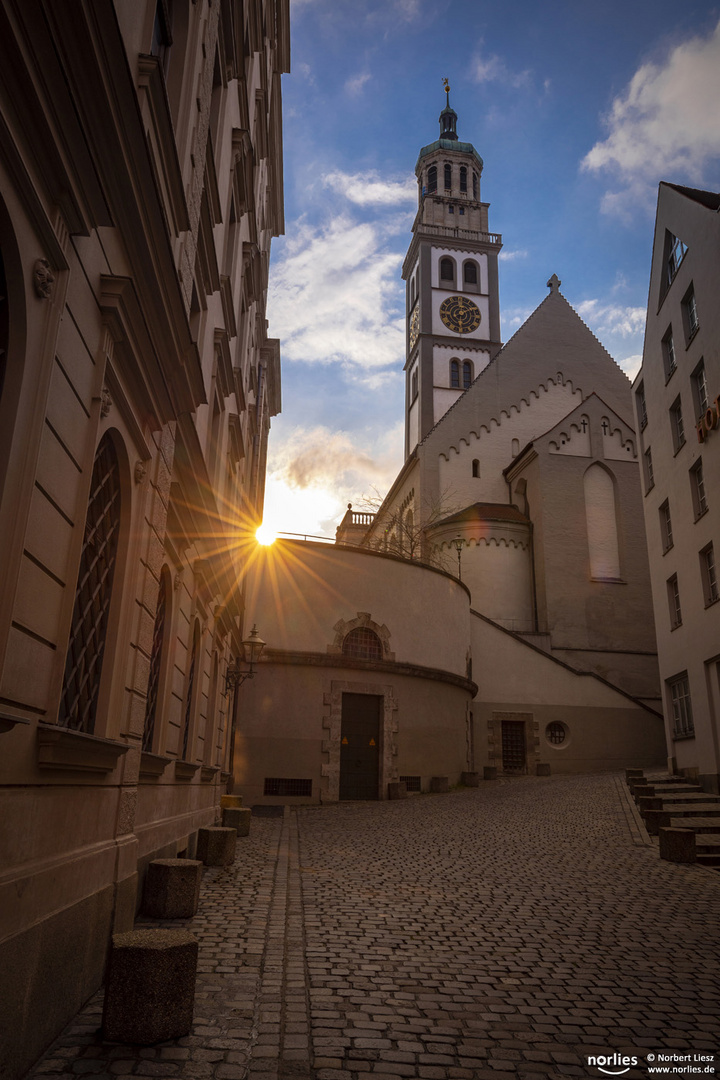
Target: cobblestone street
{"type": "Point", "coordinates": [506, 931]}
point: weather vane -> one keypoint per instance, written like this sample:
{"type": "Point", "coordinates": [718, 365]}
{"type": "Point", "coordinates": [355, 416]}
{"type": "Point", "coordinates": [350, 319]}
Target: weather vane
{"type": "Point", "coordinates": [446, 84]}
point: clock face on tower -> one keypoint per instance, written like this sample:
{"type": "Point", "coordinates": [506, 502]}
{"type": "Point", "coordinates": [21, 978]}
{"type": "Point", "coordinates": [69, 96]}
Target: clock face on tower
{"type": "Point", "coordinates": [460, 314]}
{"type": "Point", "coordinates": [414, 327]}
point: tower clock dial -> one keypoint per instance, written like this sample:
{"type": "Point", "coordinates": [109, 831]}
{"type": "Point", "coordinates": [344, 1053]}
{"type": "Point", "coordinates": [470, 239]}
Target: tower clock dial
{"type": "Point", "coordinates": [414, 327]}
{"type": "Point", "coordinates": [460, 315]}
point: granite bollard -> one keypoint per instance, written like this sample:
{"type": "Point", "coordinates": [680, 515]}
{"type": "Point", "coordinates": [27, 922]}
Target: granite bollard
{"type": "Point", "coordinates": [172, 888]}
{"type": "Point", "coordinates": [237, 818]}
{"type": "Point", "coordinates": [216, 845]}
{"type": "Point", "coordinates": [150, 986]}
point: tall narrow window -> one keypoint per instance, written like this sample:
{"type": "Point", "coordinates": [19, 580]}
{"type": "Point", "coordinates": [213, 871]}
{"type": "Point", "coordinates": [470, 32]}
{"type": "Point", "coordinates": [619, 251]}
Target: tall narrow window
{"type": "Point", "coordinates": [709, 575]}
{"type": "Point", "coordinates": [83, 668]}
{"type": "Point", "coordinates": [676, 254]}
{"type": "Point", "coordinates": [649, 477]}
{"type": "Point", "coordinates": [673, 591]}
{"type": "Point", "coordinates": [681, 706]}
{"type": "Point", "coordinates": [699, 387]}
{"type": "Point", "coordinates": [677, 427]}
{"type": "Point", "coordinates": [455, 374]}
{"type": "Point", "coordinates": [155, 662]}
{"type": "Point", "coordinates": [668, 348]}
{"type": "Point", "coordinates": [475, 185]}
{"type": "Point", "coordinates": [641, 406]}
{"type": "Point", "coordinates": [467, 374]}
{"type": "Point", "coordinates": [470, 273]}
{"type": "Point", "coordinates": [697, 489]}
{"type": "Point", "coordinates": [463, 179]}
{"type": "Point", "coordinates": [414, 385]}
{"type": "Point", "coordinates": [476, 467]}
{"type": "Point", "coordinates": [448, 177]}
{"type": "Point", "coordinates": [690, 314]}
{"type": "Point", "coordinates": [601, 524]}
{"type": "Point", "coordinates": [666, 527]}
{"type": "Point", "coordinates": [432, 179]}
{"type": "Point", "coordinates": [189, 694]}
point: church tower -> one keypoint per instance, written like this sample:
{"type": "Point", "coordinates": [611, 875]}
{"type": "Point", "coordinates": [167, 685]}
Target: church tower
{"type": "Point", "coordinates": [451, 275]}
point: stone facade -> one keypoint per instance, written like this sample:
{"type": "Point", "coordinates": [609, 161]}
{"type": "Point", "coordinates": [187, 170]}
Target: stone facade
{"type": "Point", "coordinates": [677, 407]}
{"type": "Point", "coordinates": [140, 186]}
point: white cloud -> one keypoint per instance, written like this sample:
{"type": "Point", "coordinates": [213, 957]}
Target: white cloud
{"type": "Point", "coordinates": [510, 256]}
{"type": "Point", "coordinates": [492, 68]}
{"type": "Point", "coordinates": [365, 189]}
{"type": "Point", "coordinates": [335, 297]}
{"type": "Point", "coordinates": [631, 365]}
{"type": "Point", "coordinates": [612, 319]}
{"type": "Point", "coordinates": [354, 86]}
{"type": "Point", "coordinates": [315, 472]}
{"type": "Point", "coordinates": [666, 125]}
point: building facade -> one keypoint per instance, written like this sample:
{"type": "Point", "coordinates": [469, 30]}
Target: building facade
{"type": "Point", "coordinates": [140, 186]}
{"type": "Point", "coordinates": [678, 419]}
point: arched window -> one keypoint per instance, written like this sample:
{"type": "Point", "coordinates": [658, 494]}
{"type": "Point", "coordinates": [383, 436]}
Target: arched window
{"type": "Point", "coordinates": [470, 273]}
{"type": "Point", "coordinates": [467, 374]}
{"type": "Point", "coordinates": [475, 185]}
{"type": "Point", "coordinates": [455, 374]}
{"type": "Point", "coordinates": [362, 643]}
{"type": "Point", "coordinates": [447, 270]}
{"type": "Point", "coordinates": [83, 667]}
{"type": "Point", "coordinates": [189, 693]}
{"type": "Point", "coordinates": [601, 524]}
{"type": "Point", "coordinates": [155, 663]}
{"type": "Point", "coordinates": [476, 467]}
{"type": "Point", "coordinates": [432, 178]}
{"type": "Point", "coordinates": [448, 177]}
{"type": "Point", "coordinates": [463, 178]}
{"type": "Point", "coordinates": [3, 323]}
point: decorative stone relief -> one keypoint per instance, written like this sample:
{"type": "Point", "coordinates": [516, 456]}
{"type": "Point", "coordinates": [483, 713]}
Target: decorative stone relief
{"type": "Point", "coordinates": [43, 279]}
{"type": "Point", "coordinates": [140, 471]}
{"type": "Point", "coordinates": [105, 402]}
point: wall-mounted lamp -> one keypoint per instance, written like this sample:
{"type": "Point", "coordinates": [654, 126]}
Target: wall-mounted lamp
{"type": "Point", "coordinates": [253, 646]}
{"type": "Point", "coordinates": [458, 543]}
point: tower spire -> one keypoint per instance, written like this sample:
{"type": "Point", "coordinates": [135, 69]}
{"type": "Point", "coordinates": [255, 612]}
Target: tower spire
{"type": "Point", "coordinates": [448, 117]}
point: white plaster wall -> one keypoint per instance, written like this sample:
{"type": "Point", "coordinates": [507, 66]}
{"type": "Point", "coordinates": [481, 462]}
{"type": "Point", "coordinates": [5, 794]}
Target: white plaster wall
{"type": "Point", "coordinates": [298, 591]}
{"type": "Point", "coordinates": [459, 256]}
{"type": "Point", "coordinates": [443, 354]}
{"type": "Point", "coordinates": [499, 578]}
{"type": "Point", "coordinates": [493, 446]}
{"type": "Point", "coordinates": [601, 523]}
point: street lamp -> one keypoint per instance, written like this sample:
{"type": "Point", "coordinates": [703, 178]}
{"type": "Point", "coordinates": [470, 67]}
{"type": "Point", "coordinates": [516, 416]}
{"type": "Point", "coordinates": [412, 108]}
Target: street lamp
{"type": "Point", "coordinates": [253, 646]}
{"type": "Point", "coordinates": [458, 542]}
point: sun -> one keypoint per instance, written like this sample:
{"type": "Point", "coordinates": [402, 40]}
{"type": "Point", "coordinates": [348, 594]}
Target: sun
{"type": "Point", "coordinates": [265, 535]}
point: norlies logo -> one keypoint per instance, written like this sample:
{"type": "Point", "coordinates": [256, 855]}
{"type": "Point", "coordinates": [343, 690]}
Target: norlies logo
{"type": "Point", "coordinates": [613, 1065]}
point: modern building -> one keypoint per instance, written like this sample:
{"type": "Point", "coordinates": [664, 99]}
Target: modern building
{"type": "Point", "coordinates": [140, 186]}
{"type": "Point", "coordinates": [678, 420]}
{"type": "Point", "coordinates": [520, 477]}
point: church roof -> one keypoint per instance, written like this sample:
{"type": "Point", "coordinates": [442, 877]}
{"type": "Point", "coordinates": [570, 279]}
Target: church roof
{"type": "Point", "coordinates": [553, 342]}
{"type": "Point", "coordinates": [484, 512]}
{"type": "Point", "coordinates": [449, 144]}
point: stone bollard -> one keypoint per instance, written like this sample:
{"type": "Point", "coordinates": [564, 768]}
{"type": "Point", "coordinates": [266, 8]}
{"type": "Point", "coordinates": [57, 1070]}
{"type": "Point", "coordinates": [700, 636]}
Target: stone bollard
{"type": "Point", "coordinates": [397, 789]}
{"type": "Point", "coordinates": [172, 888]}
{"type": "Point", "coordinates": [234, 801]}
{"type": "Point", "coordinates": [216, 845]}
{"type": "Point", "coordinates": [150, 986]}
{"type": "Point", "coordinates": [237, 818]}
{"type": "Point", "coordinates": [677, 845]}
{"type": "Point", "coordinates": [655, 820]}
{"type": "Point", "coordinates": [470, 779]}
{"type": "Point", "coordinates": [632, 774]}
{"type": "Point", "coordinates": [490, 772]}
{"type": "Point", "coordinates": [542, 768]}
{"type": "Point", "coordinates": [439, 784]}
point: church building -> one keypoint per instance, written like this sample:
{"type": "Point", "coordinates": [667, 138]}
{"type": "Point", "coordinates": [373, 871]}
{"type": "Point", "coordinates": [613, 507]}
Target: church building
{"type": "Point", "coordinates": [496, 611]}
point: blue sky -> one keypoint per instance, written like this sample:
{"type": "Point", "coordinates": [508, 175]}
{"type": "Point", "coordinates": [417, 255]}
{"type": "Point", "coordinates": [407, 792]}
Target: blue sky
{"type": "Point", "coordinates": [578, 111]}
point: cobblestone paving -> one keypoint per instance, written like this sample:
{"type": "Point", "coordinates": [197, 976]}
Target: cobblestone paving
{"type": "Point", "coordinates": [508, 931]}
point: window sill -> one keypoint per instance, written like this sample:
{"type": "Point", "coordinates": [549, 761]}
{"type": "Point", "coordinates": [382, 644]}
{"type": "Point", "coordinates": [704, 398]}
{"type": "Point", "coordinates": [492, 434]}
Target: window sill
{"type": "Point", "coordinates": [668, 548]}
{"type": "Point", "coordinates": [185, 770]}
{"type": "Point", "coordinates": [692, 336]}
{"type": "Point", "coordinates": [675, 627]}
{"type": "Point", "coordinates": [678, 448]}
{"type": "Point", "coordinates": [649, 488]}
{"type": "Point", "coordinates": [609, 580]}
{"type": "Point", "coordinates": [62, 748]}
{"type": "Point", "coordinates": [153, 765]}
{"type": "Point", "coordinates": [712, 603]}
{"type": "Point", "coordinates": [683, 738]}
{"type": "Point", "coordinates": [669, 374]}
{"type": "Point", "coordinates": [701, 514]}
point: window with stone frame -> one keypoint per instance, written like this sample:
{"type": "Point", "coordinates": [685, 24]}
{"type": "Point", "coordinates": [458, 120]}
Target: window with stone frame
{"type": "Point", "coordinates": [448, 177]}
{"type": "Point", "coordinates": [681, 706]}
{"type": "Point", "coordinates": [690, 315]}
{"type": "Point", "coordinates": [93, 594]}
{"type": "Point", "coordinates": [677, 427]}
{"type": "Point", "coordinates": [641, 406]}
{"type": "Point", "coordinates": [455, 374]}
{"type": "Point", "coordinates": [700, 391]}
{"type": "Point", "coordinates": [709, 575]}
{"type": "Point", "coordinates": [697, 489]}
{"type": "Point", "coordinates": [447, 270]}
{"type": "Point", "coordinates": [463, 179]}
{"type": "Point", "coordinates": [673, 591]}
{"type": "Point", "coordinates": [432, 179]}
{"type": "Point", "coordinates": [648, 469]}
{"type": "Point", "coordinates": [668, 350]}
{"type": "Point", "coordinates": [467, 374]}
{"type": "Point", "coordinates": [666, 526]}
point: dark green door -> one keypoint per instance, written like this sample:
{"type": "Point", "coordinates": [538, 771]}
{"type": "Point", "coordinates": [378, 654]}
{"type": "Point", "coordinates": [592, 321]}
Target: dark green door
{"type": "Point", "coordinates": [360, 746]}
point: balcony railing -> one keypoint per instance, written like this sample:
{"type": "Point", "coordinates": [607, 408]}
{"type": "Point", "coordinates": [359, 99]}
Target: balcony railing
{"type": "Point", "coordinates": [462, 234]}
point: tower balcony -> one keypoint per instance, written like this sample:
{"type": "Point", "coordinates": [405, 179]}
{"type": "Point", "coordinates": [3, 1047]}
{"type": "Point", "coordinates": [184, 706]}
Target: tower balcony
{"type": "Point", "coordinates": [461, 234]}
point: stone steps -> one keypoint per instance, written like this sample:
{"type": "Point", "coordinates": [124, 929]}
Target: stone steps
{"type": "Point", "coordinates": [684, 817]}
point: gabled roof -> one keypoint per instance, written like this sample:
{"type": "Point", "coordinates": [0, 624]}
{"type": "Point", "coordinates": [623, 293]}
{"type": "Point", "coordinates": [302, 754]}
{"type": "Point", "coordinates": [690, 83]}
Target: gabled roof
{"type": "Point", "coordinates": [553, 339]}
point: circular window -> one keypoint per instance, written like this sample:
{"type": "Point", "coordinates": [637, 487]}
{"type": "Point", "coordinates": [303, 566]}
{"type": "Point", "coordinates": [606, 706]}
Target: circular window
{"type": "Point", "coordinates": [556, 733]}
